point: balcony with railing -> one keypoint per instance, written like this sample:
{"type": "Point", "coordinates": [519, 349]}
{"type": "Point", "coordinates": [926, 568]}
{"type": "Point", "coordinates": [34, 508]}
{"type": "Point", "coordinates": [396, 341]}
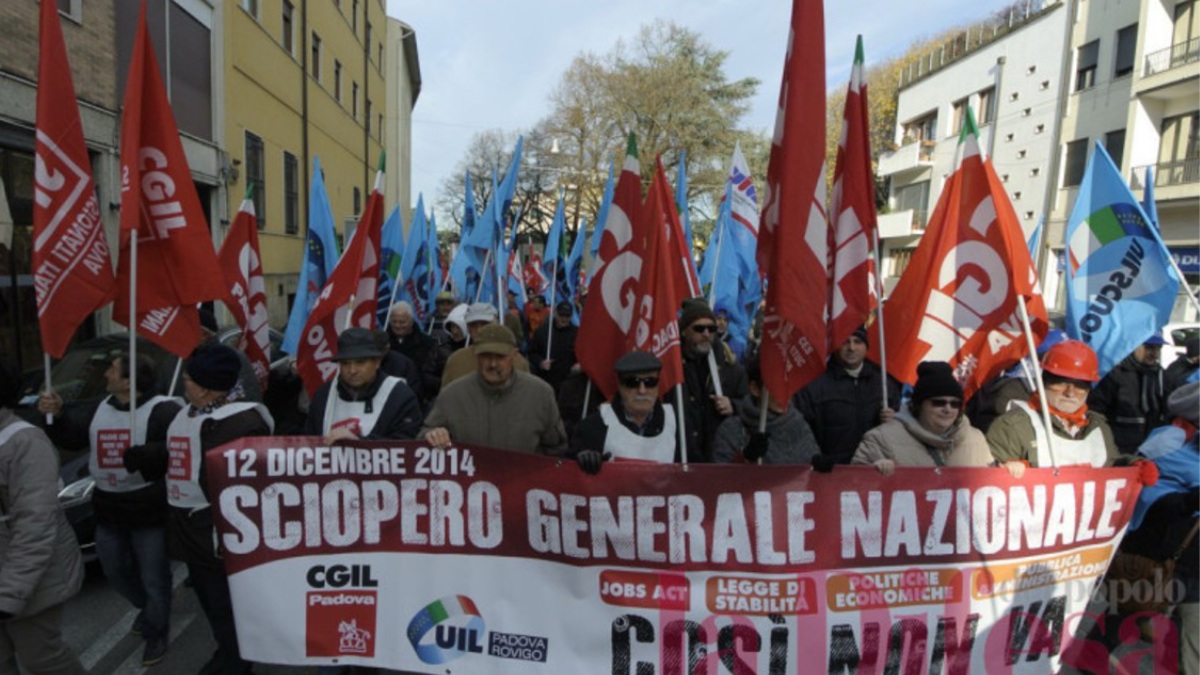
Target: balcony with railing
{"type": "Point", "coordinates": [913, 154]}
{"type": "Point", "coordinates": [1179, 179]}
{"type": "Point", "coordinates": [1172, 57]}
{"type": "Point", "coordinates": [906, 223]}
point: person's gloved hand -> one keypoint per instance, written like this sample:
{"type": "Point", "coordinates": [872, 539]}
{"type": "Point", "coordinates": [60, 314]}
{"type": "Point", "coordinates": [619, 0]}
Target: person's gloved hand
{"type": "Point", "coordinates": [591, 461]}
{"type": "Point", "coordinates": [1147, 472]}
{"type": "Point", "coordinates": [757, 447]}
{"type": "Point", "coordinates": [133, 458]}
{"type": "Point", "coordinates": [823, 463]}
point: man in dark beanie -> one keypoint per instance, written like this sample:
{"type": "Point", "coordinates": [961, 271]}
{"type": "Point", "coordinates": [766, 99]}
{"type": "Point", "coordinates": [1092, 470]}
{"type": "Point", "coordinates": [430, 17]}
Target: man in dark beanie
{"type": "Point", "coordinates": [215, 415]}
{"type": "Point", "coordinates": [846, 401]}
{"type": "Point", "coordinates": [703, 408]}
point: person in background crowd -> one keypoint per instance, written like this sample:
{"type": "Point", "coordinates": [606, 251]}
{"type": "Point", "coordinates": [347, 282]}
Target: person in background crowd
{"type": "Point", "coordinates": [442, 304]}
{"type": "Point", "coordinates": [40, 565]}
{"type": "Point", "coordinates": [560, 333]}
{"type": "Point", "coordinates": [636, 425]}
{"type": "Point", "coordinates": [251, 390]}
{"type": "Point", "coordinates": [787, 440]}
{"type": "Point", "coordinates": [1131, 396]}
{"type": "Point", "coordinates": [1184, 367]}
{"type": "Point", "coordinates": [536, 312]}
{"type": "Point", "coordinates": [498, 406]}
{"type": "Point", "coordinates": [130, 510]}
{"type": "Point", "coordinates": [407, 339]}
{"type": "Point", "coordinates": [214, 416]}
{"type": "Point", "coordinates": [703, 409]}
{"type": "Point", "coordinates": [400, 366]}
{"type": "Point", "coordinates": [1015, 384]}
{"type": "Point", "coordinates": [463, 362]}
{"type": "Point", "coordinates": [369, 404]}
{"type": "Point", "coordinates": [1081, 436]}
{"type": "Point", "coordinates": [846, 401]}
{"type": "Point", "coordinates": [514, 321]}
{"type": "Point", "coordinates": [721, 316]}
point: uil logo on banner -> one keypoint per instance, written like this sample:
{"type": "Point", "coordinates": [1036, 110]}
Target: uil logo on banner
{"type": "Point", "coordinates": [452, 627]}
{"type": "Point", "coordinates": [341, 615]}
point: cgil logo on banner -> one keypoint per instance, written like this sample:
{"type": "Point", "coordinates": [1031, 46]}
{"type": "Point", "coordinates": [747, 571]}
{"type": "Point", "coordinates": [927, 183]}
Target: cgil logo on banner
{"type": "Point", "coordinates": [452, 627]}
{"type": "Point", "coordinates": [340, 616]}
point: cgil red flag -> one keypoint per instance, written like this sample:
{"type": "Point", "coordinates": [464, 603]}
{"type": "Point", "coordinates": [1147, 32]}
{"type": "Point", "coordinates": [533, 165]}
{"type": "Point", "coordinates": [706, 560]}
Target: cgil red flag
{"type": "Point", "coordinates": [354, 280]}
{"type": "Point", "coordinates": [793, 237]}
{"type": "Point", "coordinates": [177, 266]}
{"type": "Point", "coordinates": [608, 313]}
{"type": "Point", "coordinates": [852, 210]}
{"type": "Point", "coordinates": [73, 274]}
{"type": "Point", "coordinates": [535, 279]}
{"type": "Point", "coordinates": [957, 300]}
{"type": "Point", "coordinates": [241, 263]}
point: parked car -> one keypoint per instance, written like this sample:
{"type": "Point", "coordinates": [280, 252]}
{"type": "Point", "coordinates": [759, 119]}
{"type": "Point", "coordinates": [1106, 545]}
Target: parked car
{"type": "Point", "coordinates": [1176, 334]}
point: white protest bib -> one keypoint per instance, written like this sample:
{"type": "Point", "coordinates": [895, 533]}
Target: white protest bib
{"type": "Point", "coordinates": [624, 444]}
{"type": "Point", "coordinates": [1089, 450]}
{"type": "Point", "coordinates": [353, 414]}
{"type": "Point", "coordinates": [187, 461]}
{"type": "Point", "coordinates": [108, 437]}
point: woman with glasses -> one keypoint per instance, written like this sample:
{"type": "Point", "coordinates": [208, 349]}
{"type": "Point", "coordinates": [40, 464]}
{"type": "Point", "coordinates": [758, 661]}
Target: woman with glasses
{"type": "Point", "coordinates": [1069, 371]}
{"type": "Point", "coordinates": [931, 432]}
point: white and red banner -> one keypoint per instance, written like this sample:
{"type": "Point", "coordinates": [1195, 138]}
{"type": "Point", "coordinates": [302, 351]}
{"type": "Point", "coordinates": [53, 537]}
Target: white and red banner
{"type": "Point", "coordinates": [73, 274]}
{"type": "Point", "coordinates": [476, 560]}
{"type": "Point", "coordinates": [241, 261]}
{"type": "Point", "coordinates": [177, 266]}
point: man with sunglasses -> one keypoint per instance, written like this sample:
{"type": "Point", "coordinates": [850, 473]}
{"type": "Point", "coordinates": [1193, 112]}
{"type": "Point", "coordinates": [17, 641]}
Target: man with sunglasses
{"type": "Point", "coordinates": [704, 409]}
{"type": "Point", "coordinates": [1081, 436]}
{"type": "Point", "coordinates": [635, 425]}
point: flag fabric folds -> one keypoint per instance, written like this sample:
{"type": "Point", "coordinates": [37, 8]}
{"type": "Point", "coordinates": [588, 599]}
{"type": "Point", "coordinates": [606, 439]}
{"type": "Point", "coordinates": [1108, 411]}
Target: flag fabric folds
{"type": "Point", "coordinates": [415, 267]}
{"type": "Point", "coordinates": [574, 276]}
{"type": "Point", "coordinates": [391, 249]}
{"type": "Point", "coordinates": [72, 265]}
{"type": "Point", "coordinates": [177, 267]}
{"type": "Point", "coordinates": [241, 261]}
{"type": "Point", "coordinates": [554, 262]}
{"type": "Point", "coordinates": [793, 238]}
{"type": "Point", "coordinates": [466, 270]}
{"type": "Point", "coordinates": [534, 276]}
{"type": "Point", "coordinates": [1121, 286]}
{"type": "Point", "coordinates": [320, 257]}
{"type": "Point", "coordinates": [601, 218]}
{"type": "Point", "coordinates": [957, 300]}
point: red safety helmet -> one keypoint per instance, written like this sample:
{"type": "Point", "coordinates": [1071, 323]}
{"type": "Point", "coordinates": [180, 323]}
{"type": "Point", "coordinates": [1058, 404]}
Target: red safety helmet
{"type": "Point", "coordinates": [1073, 360]}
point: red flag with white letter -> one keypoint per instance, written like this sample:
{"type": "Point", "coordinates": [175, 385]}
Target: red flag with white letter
{"type": "Point", "coordinates": [852, 208]}
{"type": "Point", "coordinates": [354, 280]}
{"type": "Point", "coordinates": [72, 265]}
{"type": "Point", "coordinates": [177, 267]}
{"type": "Point", "coordinates": [609, 311]}
{"type": "Point", "coordinates": [958, 295]}
{"type": "Point", "coordinates": [247, 301]}
{"type": "Point", "coordinates": [793, 238]}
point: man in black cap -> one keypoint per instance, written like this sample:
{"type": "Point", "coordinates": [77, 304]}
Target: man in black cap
{"type": "Point", "coordinates": [215, 415]}
{"type": "Point", "coordinates": [251, 389]}
{"type": "Point", "coordinates": [704, 409]}
{"type": "Point", "coordinates": [553, 347]}
{"type": "Point", "coordinates": [369, 403]}
{"type": "Point", "coordinates": [846, 401]}
{"type": "Point", "coordinates": [635, 425]}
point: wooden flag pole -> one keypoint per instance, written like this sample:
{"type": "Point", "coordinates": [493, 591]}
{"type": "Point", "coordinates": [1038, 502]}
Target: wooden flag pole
{"type": "Point", "coordinates": [46, 370]}
{"type": "Point", "coordinates": [683, 458]}
{"type": "Point", "coordinates": [133, 247]}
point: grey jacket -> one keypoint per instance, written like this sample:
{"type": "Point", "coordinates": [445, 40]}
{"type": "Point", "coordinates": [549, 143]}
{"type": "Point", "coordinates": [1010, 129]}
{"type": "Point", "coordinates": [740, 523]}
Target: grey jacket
{"type": "Point", "coordinates": [790, 440]}
{"type": "Point", "coordinates": [40, 565]}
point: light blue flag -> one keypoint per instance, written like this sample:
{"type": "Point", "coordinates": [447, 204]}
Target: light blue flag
{"type": "Point", "coordinates": [414, 266]}
{"type": "Point", "coordinates": [1035, 239]}
{"type": "Point", "coordinates": [466, 268]}
{"type": "Point", "coordinates": [575, 269]}
{"type": "Point", "coordinates": [391, 250]}
{"type": "Point", "coordinates": [1148, 203]}
{"type": "Point", "coordinates": [320, 257]}
{"type": "Point", "coordinates": [1120, 284]}
{"type": "Point", "coordinates": [511, 265]}
{"type": "Point", "coordinates": [601, 219]}
{"type": "Point", "coordinates": [489, 229]}
{"type": "Point", "coordinates": [681, 203]}
{"type": "Point", "coordinates": [554, 258]}
{"type": "Point", "coordinates": [724, 281]}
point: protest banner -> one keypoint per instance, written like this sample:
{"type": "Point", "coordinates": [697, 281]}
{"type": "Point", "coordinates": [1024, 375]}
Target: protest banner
{"type": "Point", "coordinates": [469, 560]}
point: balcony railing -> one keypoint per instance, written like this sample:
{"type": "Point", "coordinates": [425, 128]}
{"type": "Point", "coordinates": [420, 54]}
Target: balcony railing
{"type": "Point", "coordinates": [1179, 172]}
{"type": "Point", "coordinates": [1172, 57]}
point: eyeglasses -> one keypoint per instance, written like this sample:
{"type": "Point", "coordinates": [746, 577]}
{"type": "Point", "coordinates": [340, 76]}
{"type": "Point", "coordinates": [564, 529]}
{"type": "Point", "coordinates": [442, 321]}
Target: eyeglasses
{"type": "Point", "coordinates": [945, 402]}
{"type": "Point", "coordinates": [633, 382]}
{"type": "Point", "coordinates": [705, 328]}
{"type": "Point", "coordinates": [1063, 385]}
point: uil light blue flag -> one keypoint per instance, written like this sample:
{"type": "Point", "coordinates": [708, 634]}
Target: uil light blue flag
{"type": "Point", "coordinates": [510, 263]}
{"type": "Point", "coordinates": [1148, 204]}
{"type": "Point", "coordinates": [554, 259]}
{"type": "Point", "coordinates": [436, 276]}
{"type": "Point", "coordinates": [320, 257]}
{"type": "Point", "coordinates": [391, 249]}
{"type": "Point", "coordinates": [681, 203]}
{"type": "Point", "coordinates": [489, 230]}
{"type": "Point", "coordinates": [414, 266]}
{"type": "Point", "coordinates": [723, 279]}
{"type": "Point", "coordinates": [575, 269]}
{"type": "Point", "coordinates": [1120, 284]}
{"type": "Point", "coordinates": [601, 218]}
{"type": "Point", "coordinates": [466, 268]}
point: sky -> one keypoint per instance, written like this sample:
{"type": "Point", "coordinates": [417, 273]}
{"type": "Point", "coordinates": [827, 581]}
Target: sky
{"type": "Point", "coordinates": [491, 64]}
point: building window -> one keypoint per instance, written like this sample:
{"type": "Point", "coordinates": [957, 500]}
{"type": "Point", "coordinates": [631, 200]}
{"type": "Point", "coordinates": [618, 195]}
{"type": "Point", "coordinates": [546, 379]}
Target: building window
{"type": "Point", "coordinates": [367, 117]}
{"type": "Point", "coordinates": [959, 109]}
{"type": "Point", "coordinates": [900, 260]}
{"type": "Point", "coordinates": [72, 9]}
{"type": "Point", "coordinates": [1076, 163]}
{"type": "Point", "coordinates": [1126, 48]}
{"type": "Point", "coordinates": [1180, 138]}
{"type": "Point", "coordinates": [251, 7]}
{"type": "Point", "coordinates": [337, 80]}
{"type": "Point", "coordinates": [1186, 25]}
{"type": "Point", "coordinates": [288, 30]}
{"type": "Point", "coordinates": [914, 198]}
{"type": "Point", "coordinates": [380, 61]}
{"type": "Point", "coordinates": [357, 200]}
{"type": "Point", "coordinates": [367, 41]}
{"type": "Point", "coordinates": [921, 129]}
{"type": "Point", "coordinates": [354, 17]}
{"type": "Point", "coordinates": [380, 127]}
{"type": "Point", "coordinates": [291, 194]}
{"type": "Point", "coordinates": [316, 56]}
{"type": "Point", "coordinates": [256, 176]}
{"type": "Point", "coordinates": [987, 105]}
{"type": "Point", "coordinates": [1114, 143]}
{"type": "Point", "coordinates": [354, 99]}
{"type": "Point", "coordinates": [1085, 67]}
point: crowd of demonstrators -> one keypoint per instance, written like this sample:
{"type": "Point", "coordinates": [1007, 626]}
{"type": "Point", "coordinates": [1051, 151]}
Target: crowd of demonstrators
{"type": "Point", "coordinates": [462, 361]}
{"type": "Point", "coordinates": [408, 340]}
{"type": "Point", "coordinates": [787, 439]}
{"type": "Point", "coordinates": [703, 407]}
{"type": "Point", "coordinates": [635, 425]}
{"type": "Point", "coordinates": [1131, 396]}
{"type": "Point", "coordinates": [130, 510]}
{"type": "Point", "coordinates": [552, 347]}
{"type": "Point", "coordinates": [536, 312]}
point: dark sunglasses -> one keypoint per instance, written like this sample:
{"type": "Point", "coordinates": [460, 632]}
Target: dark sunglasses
{"type": "Point", "coordinates": [707, 328]}
{"type": "Point", "coordinates": [632, 382]}
{"type": "Point", "coordinates": [945, 402]}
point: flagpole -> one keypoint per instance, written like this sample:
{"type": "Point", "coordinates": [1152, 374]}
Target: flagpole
{"type": "Point", "coordinates": [712, 291]}
{"type": "Point", "coordinates": [882, 338]}
{"type": "Point", "coordinates": [762, 413]}
{"type": "Point", "coordinates": [46, 370]}
{"type": "Point", "coordinates": [553, 300]}
{"type": "Point", "coordinates": [133, 258]}
{"type": "Point", "coordinates": [487, 261]}
{"type": "Point", "coordinates": [1037, 379]}
{"type": "Point", "coordinates": [174, 376]}
{"type": "Point", "coordinates": [587, 396]}
{"type": "Point", "coordinates": [683, 458]}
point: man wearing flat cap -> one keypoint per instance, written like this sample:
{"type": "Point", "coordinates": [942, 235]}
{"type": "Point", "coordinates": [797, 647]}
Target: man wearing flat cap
{"type": "Point", "coordinates": [705, 409]}
{"type": "Point", "coordinates": [635, 425]}
{"type": "Point", "coordinates": [558, 335]}
{"type": "Point", "coordinates": [498, 405]}
{"type": "Point", "coordinates": [215, 415]}
{"type": "Point", "coordinates": [363, 401]}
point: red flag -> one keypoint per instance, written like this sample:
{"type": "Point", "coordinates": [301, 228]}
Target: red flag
{"type": "Point", "coordinates": [356, 278]}
{"type": "Point", "coordinates": [247, 300]}
{"type": "Point", "coordinates": [852, 208]}
{"type": "Point", "coordinates": [73, 274]}
{"type": "Point", "coordinates": [609, 310]}
{"type": "Point", "coordinates": [533, 275]}
{"type": "Point", "coordinates": [656, 297]}
{"type": "Point", "coordinates": [176, 266]}
{"type": "Point", "coordinates": [683, 268]}
{"type": "Point", "coordinates": [793, 238]}
{"type": "Point", "coordinates": [958, 296]}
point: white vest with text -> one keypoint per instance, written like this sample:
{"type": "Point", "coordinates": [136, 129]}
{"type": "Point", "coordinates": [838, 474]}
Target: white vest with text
{"type": "Point", "coordinates": [187, 461]}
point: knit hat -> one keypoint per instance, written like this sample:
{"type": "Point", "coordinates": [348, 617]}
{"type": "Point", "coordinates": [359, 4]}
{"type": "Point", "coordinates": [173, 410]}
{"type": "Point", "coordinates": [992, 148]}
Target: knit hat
{"type": "Point", "coordinates": [861, 334]}
{"type": "Point", "coordinates": [1185, 402]}
{"type": "Point", "coordinates": [214, 367]}
{"type": "Point", "coordinates": [694, 309]}
{"type": "Point", "coordinates": [935, 378]}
